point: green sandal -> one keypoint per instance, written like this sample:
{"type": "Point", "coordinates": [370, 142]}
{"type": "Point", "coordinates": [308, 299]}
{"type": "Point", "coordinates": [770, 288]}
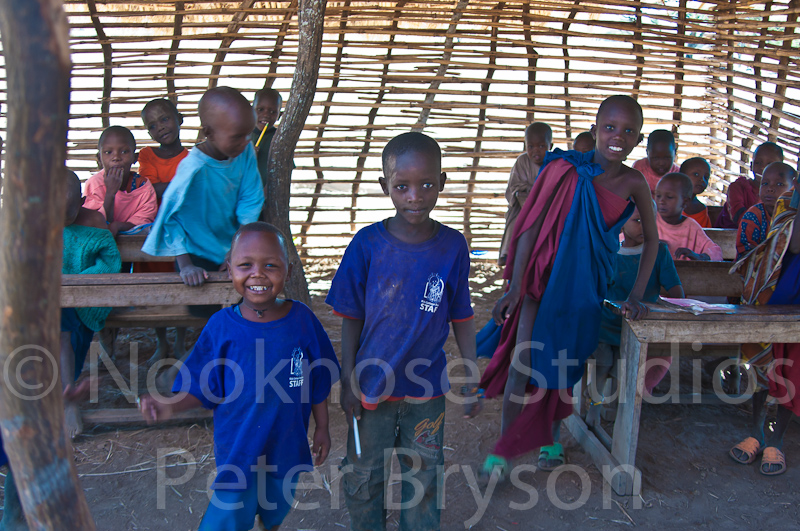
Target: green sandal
{"type": "Point", "coordinates": [554, 453]}
{"type": "Point", "coordinates": [495, 465]}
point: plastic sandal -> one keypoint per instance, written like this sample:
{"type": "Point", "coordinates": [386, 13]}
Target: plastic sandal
{"type": "Point", "coordinates": [772, 456]}
{"type": "Point", "coordinates": [495, 465]}
{"type": "Point", "coordinates": [750, 447]}
{"type": "Point", "coordinates": [554, 452]}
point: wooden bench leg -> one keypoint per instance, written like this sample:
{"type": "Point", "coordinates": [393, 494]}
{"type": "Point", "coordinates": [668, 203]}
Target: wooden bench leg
{"type": "Point", "coordinates": [626, 427]}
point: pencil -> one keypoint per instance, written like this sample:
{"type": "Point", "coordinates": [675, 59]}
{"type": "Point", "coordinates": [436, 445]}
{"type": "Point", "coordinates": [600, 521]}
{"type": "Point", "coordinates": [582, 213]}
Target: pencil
{"type": "Point", "coordinates": [356, 437]}
{"type": "Point", "coordinates": [261, 136]}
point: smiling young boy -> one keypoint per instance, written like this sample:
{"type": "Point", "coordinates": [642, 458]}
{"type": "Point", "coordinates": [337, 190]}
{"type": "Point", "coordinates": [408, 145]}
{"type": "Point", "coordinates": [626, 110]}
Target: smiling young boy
{"type": "Point", "coordinates": [267, 105]}
{"type": "Point", "coordinates": [125, 198]}
{"type": "Point", "coordinates": [660, 160]}
{"type": "Point", "coordinates": [264, 366]}
{"type": "Point", "coordinates": [538, 141]}
{"type": "Point", "coordinates": [400, 283]}
{"type": "Point", "coordinates": [684, 236]}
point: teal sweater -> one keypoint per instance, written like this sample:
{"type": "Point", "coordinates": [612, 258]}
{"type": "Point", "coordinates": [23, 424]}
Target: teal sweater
{"type": "Point", "coordinates": [87, 251]}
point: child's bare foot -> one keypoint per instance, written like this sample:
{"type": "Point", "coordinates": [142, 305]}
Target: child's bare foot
{"type": "Point", "coordinates": [73, 423]}
{"type": "Point", "coordinates": [593, 415]}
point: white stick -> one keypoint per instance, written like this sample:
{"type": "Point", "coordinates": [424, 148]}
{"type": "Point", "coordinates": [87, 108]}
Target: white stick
{"type": "Point", "coordinates": [356, 437]}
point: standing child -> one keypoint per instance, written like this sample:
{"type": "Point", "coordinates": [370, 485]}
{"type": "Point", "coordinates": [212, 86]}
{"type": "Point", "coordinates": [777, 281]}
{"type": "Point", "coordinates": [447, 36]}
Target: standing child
{"type": "Point", "coordinates": [260, 433]}
{"type": "Point", "coordinates": [158, 165]}
{"type": "Point", "coordinates": [124, 197]}
{"type": "Point", "coordinates": [163, 123]}
{"type": "Point", "coordinates": [699, 171]}
{"type": "Point", "coordinates": [778, 177]}
{"type": "Point", "coordinates": [743, 192]}
{"type": "Point", "coordinates": [626, 267]}
{"type": "Point", "coordinates": [267, 105]}
{"type": "Point", "coordinates": [216, 190]}
{"type": "Point", "coordinates": [660, 160]}
{"type": "Point", "coordinates": [559, 264]}
{"type": "Point", "coordinates": [684, 236]}
{"type": "Point", "coordinates": [538, 141]}
{"type": "Point", "coordinates": [400, 283]}
{"type": "Point", "coordinates": [772, 276]}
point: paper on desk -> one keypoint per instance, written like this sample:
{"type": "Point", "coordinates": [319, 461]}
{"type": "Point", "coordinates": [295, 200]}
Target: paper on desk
{"type": "Point", "coordinates": [694, 306]}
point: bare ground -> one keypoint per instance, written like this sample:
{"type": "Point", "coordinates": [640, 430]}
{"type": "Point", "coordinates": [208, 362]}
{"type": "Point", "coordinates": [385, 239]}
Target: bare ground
{"type": "Point", "coordinates": [689, 480]}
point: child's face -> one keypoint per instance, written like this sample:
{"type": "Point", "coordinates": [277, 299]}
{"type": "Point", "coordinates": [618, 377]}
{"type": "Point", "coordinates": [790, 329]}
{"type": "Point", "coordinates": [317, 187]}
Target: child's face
{"type": "Point", "coordinates": [228, 138]}
{"type": "Point", "coordinates": [632, 229]}
{"type": "Point", "coordinates": [414, 186]}
{"type": "Point", "coordinates": [258, 268]}
{"type": "Point", "coordinates": [670, 201]}
{"type": "Point", "coordinates": [616, 132]}
{"type": "Point", "coordinates": [537, 145]}
{"type": "Point", "coordinates": [775, 181]}
{"type": "Point", "coordinates": [116, 151]}
{"type": "Point", "coordinates": [584, 144]}
{"type": "Point", "coordinates": [661, 156]}
{"type": "Point", "coordinates": [763, 158]}
{"type": "Point", "coordinates": [162, 124]}
{"type": "Point", "coordinates": [267, 110]}
{"type": "Point", "coordinates": [699, 174]}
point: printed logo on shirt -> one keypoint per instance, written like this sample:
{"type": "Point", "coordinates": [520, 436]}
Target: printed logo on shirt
{"type": "Point", "coordinates": [296, 370]}
{"type": "Point", "coordinates": [425, 432]}
{"type": "Point", "coordinates": [434, 290]}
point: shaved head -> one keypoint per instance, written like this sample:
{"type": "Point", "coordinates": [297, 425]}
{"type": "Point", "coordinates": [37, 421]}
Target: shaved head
{"type": "Point", "coordinates": [224, 103]}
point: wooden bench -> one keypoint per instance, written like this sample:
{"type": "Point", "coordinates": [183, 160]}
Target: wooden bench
{"type": "Point", "coordinates": [746, 324]}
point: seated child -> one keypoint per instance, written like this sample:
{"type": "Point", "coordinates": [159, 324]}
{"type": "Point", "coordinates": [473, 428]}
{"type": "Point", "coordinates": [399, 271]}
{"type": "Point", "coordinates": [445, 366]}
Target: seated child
{"type": "Point", "coordinates": [660, 160]}
{"type": "Point", "coordinates": [267, 110]}
{"type": "Point", "coordinates": [257, 428]}
{"type": "Point", "coordinates": [772, 276]}
{"type": "Point", "coordinates": [584, 142]}
{"type": "Point", "coordinates": [626, 266]}
{"type": "Point", "coordinates": [158, 165]}
{"type": "Point", "coordinates": [216, 190]}
{"type": "Point", "coordinates": [401, 282]}
{"type": "Point", "coordinates": [699, 171]}
{"type": "Point", "coordinates": [559, 264]}
{"type": "Point", "coordinates": [125, 198]}
{"type": "Point", "coordinates": [778, 178]}
{"type": "Point", "coordinates": [538, 141]}
{"type": "Point", "coordinates": [743, 192]}
{"type": "Point", "coordinates": [683, 235]}
{"type": "Point", "coordinates": [163, 123]}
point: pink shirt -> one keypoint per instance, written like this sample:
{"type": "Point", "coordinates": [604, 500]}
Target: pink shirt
{"type": "Point", "coordinates": [137, 207]}
{"type": "Point", "coordinates": [688, 233]}
{"type": "Point", "coordinates": [643, 165]}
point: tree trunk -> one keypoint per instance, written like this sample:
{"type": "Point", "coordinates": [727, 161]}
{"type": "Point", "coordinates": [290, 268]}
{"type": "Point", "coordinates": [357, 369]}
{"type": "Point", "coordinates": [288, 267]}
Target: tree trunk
{"type": "Point", "coordinates": [36, 51]}
{"type": "Point", "coordinates": [311, 17]}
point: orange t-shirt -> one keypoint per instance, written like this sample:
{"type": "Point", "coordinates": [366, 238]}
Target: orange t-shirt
{"type": "Point", "coordinates": [156, 169]}
{"type": "Point", "coordinates": [701, 217]}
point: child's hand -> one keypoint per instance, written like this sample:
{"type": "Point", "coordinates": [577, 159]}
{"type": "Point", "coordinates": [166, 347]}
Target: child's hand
{"type": "Point", "coordinates": [113, 180]}
{"type": "Point", "coordinates": [633, 309]}
{"type": "Point", "coordinates": [193, 275]}
{"type": "Point", "coordinates": [321, 445]}
{"type": "Point", "coordinates": [351, 404]}
{"type": "Point", "coordinates": [507, 304]}
{"type": "Point", "coordinates": [153, 410]}
{"type": "Point", "coordinates": [684, 252]}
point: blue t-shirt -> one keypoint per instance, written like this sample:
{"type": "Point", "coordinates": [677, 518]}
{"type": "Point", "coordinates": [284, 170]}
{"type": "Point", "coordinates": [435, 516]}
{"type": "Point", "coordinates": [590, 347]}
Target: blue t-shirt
{"type": "Point", "coordinates": [626, 267]}
{"type": "Point", "coordinates": [261, 380]}
{"type": "Point", "coordinates": [406, 294]}
{"type": "Point", "coordinates": [204, 205]}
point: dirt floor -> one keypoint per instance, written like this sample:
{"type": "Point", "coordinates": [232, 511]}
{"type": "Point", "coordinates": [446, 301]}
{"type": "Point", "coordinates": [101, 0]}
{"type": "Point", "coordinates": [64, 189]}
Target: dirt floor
{"type": "Point", "coordinates": [156, 478]}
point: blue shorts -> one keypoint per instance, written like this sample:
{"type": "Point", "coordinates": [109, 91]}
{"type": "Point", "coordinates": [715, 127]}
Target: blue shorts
{"type": "Point", "coordinates": [236, 510]}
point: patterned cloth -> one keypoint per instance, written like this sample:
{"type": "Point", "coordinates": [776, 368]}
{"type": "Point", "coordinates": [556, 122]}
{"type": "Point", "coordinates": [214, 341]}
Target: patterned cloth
{"type": "Point", "coordinates": [753, 229]}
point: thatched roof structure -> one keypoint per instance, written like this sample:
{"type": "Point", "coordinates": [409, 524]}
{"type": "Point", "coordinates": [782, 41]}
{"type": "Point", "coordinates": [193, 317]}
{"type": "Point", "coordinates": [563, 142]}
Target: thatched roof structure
{"type": "Point", "coordinates": [472, 73]}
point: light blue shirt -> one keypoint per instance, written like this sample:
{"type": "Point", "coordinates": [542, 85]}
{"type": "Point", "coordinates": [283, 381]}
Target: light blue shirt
{"type": "Point", "coordinates": [205, 204]}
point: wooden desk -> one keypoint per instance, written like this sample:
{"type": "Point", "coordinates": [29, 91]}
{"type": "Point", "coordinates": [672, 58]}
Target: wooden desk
{"type": "Point", "coordinates": [726, 239]}
{"type": "Point", "coordinates": [747, 324]}
{"type": "Point", "coordinates": [708, 279]}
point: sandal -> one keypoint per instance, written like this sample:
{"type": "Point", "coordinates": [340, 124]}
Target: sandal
{"type": "Point", "coordinates": [497, 466]}
{"type": "Point", "coordinates": [772, 456]}
{"type": "Point", "coordinates": [750, 449]}
{"type": "Point", "coordinates": [551, 453]}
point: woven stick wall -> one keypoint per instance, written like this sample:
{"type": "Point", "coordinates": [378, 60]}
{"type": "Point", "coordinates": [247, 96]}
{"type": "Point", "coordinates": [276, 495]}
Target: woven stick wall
{"type": "Point", "coordinates": [471, 73]}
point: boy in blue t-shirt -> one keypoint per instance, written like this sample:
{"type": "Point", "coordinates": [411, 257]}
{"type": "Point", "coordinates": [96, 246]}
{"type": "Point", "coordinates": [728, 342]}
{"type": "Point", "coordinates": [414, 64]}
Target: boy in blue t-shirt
{"type": "Point", "coordinates": [400, 283]}
{"type": "Point", "coordinates": [626, 268]}
{"type": "Point", "coordinates": [263, 366]}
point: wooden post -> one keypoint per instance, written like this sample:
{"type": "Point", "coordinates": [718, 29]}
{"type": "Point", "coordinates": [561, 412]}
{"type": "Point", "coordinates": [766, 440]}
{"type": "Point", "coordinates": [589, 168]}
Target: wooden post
{"type": "Point", "coordinates": [311, 18]}
{"type": "Point", "coordinates": [36, 50]}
